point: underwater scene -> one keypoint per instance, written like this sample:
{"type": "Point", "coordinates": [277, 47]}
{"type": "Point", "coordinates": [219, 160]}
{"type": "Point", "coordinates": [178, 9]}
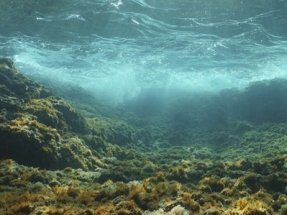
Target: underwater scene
{"type": "Point", "coordinates": [153, 107]}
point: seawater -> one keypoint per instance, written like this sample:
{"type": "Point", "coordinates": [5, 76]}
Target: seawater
{"type": "Point", "coordinates": [118, 48]}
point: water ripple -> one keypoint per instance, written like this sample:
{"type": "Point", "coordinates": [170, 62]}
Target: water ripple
{"type": "Point", "coordinates": [157, 42]}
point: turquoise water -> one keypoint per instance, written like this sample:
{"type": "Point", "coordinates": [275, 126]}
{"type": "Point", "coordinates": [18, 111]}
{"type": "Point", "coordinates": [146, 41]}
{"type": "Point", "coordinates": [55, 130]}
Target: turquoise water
{"type": "Point", "coordinates": [117, 48]}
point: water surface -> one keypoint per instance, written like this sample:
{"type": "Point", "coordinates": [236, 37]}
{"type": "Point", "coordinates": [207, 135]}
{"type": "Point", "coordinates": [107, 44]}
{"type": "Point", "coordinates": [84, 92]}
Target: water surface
{"type": "Point", "coordinates": [117, 48]}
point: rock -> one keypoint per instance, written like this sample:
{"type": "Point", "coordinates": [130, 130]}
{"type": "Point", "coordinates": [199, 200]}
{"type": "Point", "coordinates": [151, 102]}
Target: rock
{"type": "Point", "coordinates": [37, 127]}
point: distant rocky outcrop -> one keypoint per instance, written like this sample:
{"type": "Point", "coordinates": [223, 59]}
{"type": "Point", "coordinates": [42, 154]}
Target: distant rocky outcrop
{"type": "Point", "coordinates": [260, 102]}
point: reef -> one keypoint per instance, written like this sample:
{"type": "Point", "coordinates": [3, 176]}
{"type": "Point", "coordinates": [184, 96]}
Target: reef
{"type": "Point", "coordinates": [187, 154]}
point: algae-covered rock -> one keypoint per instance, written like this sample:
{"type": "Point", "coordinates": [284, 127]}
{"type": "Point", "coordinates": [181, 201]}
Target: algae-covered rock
{"type": "Point", "coordinates": [194, 117]}
{"type": "Point", "coordinates": [14, 84]}
{"type": "Point", "coordinates": [112, 130]}
{"type": "Point", "coordinates": [20, 93]}
{"type": "Point", "coordinates": [58, 113]}
{"type": "Point", "coordinates": [36, 127]}
{"type": "Point", "coordinates": [261, 102]}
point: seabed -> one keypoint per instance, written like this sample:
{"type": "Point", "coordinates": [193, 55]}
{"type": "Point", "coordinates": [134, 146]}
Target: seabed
{"type": "Point", "coordinates": [64, 152]}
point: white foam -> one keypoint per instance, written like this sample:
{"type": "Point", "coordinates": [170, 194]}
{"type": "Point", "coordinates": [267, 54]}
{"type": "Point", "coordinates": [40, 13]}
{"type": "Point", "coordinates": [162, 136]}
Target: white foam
{"type": "Point", "coordinates": [121, 81]}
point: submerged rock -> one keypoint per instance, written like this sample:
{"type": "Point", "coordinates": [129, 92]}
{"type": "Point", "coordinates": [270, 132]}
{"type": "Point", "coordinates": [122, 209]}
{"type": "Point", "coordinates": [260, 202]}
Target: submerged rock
{"type": "Point", "coordinates": [262, 102]}
{"type": "Point", "coordinates": [36, 125]}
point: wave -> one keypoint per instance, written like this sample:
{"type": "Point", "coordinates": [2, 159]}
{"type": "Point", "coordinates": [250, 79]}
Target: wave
{"type": "Point", "coordinates": [143, 43]}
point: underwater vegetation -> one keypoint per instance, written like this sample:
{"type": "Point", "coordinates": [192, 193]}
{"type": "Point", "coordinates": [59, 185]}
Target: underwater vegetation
{"type": "Point", "coordinates": [197, 154]}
